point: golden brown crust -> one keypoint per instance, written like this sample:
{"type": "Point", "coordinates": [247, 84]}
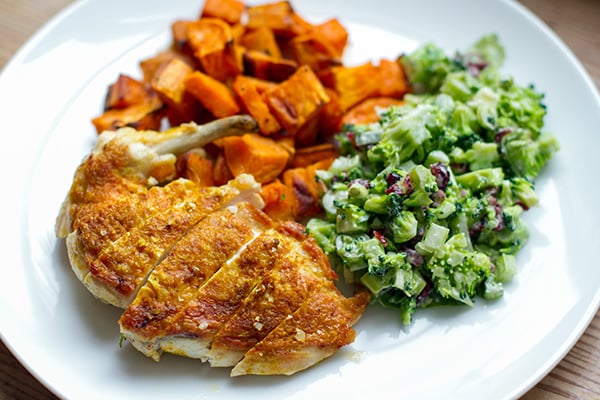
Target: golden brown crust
{"type": "Point", "coordinates": [315, 331]}
{"type": "Point", "coordinates": [280, 293]}
{"type": "Point", "coordinates": [192, 261]}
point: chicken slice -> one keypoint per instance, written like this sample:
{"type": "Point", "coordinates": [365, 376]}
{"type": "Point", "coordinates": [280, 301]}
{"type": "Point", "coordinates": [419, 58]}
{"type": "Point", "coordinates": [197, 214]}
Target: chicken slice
{"type": "Point", "coordinates": [193, 260]}
{"type": "Point", "coordinates": [121, 268]}
{"type": "Point", "coordinates": [128, 161]}
{"type": "Point", "coordinates": [193, 329]}
{"type": "Point", "coordinates": [285, 288]}
{"type": "Point", "coordinates": [318, 329]}
{"type": "Point", "coordinates": [99, 226]}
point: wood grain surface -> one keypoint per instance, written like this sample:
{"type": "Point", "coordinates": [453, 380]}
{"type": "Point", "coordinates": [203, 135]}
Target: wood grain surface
{"type": "Point", "coordinates": [577, 22]}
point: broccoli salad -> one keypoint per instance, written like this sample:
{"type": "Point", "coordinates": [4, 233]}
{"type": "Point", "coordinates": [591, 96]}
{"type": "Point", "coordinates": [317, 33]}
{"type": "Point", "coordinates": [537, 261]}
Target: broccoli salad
{"type": "Point", "coordinates": [425, 207]}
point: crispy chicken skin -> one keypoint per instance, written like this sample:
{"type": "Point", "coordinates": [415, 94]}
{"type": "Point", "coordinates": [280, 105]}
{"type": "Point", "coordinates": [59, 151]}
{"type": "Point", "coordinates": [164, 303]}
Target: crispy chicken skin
{"type": "Point", "coordinates": [118, 223]}
{"type": "Point", "coordinates": [200, 272]}
{"type": "Point", "coordinates": [193, 260]}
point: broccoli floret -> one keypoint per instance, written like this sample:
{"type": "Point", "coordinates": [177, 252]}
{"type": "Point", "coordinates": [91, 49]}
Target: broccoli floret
{"type": "Point", "coordinates": [458, 273]}
{"type": "Point", "coordinates": [526, 156]}
{"type": "Point", "coordinates": [350, 251]}
{"type": "Point", "coordinates": [323, 232]}
{"type": "Point", "coordinates": [403, 226]}
{"type": "Point", "coordinates": [350, 218]}
{"type": "Point", "coordinates": [402, 137]}
{"type": "Point", "coordinates": [490, 49]}
{"type": "Point", "coordinates": [427, 67]}
{"type": "Point", "coordinates": [481, 179]}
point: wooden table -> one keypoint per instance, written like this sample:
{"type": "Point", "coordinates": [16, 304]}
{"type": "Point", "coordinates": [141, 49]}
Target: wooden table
{"type": "Point", "coordinates": [577, 376]}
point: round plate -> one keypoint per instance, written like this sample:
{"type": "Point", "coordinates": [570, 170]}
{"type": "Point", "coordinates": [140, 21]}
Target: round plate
{"type": "Point", "coordinates": [56, 84]}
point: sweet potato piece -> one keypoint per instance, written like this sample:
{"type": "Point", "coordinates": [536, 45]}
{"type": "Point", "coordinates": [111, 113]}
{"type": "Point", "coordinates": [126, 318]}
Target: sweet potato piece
{"type": "Point", "coordinates": [287, 142]}
{"type": "Point", "coordinates": [169, 83]}
{"type": "Point", "coordinates": [253, 103]}
{"type": "Point", "coordinates": [212, 94]}
{"type": "Point", "coordinates": [334, 33]}
{"type": "Point", "coordinates": [393, 81]}
{"type": "Point", "coordinates": [179, 33]}
{"type": "Point", "coordinates": [354, 84]}
{"type": "Point", "coordinates": [365, 112]}
{"type": "Point", "coordinates": [149, 66]}
{"type": "Point", "coordinates": [257, 155]}
{"type": "Point", "coordinates": [263, 66]}
{"type": "Point", "coordinates": [237, 32]}
{"type": "Point", "coordinates": [127, 91]}
{"type": "Point", "coordinates": [169, 80]}
{"type": "Point", "coordinates": [277, 16]}
{"type": "Point", "coordinates": [311, 50]}
{"type": "Point", "coordinates": [139, 116]}
{"type": "Point", "coordinates": [262, 86]}
{"type": "Point", "coordinates": [212, 44]}
{"type": "Point", "coordinates": [278, 200]}
{"type": "Point", "coordinates": [308, 133]}
{"type": "Point", "coordinates": [331, 114]}
{"type": "Point", "coordinates": [306, 192]}
{"type": "Point", "coordinates": [228, 10]}
{"type": "Point", "coordinates": [263, 40]}
{"type": "Point", "coordinates": [297, 100]}
{"type": "Point", "coordinates": [310, 155]}
{"type": "Point", "coordinates": [221, 172]}
{"type": "Point", "coordinates": [196, 167]}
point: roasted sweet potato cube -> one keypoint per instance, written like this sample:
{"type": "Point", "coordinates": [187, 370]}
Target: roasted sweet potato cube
{"type": "Point", "coordinates": [139, 116]}
{"type": "Point", "coordinates": [254, 105]}
{"type": "Point", "coordinates": [214, 95]}
{"type": "Point", "coordinates": [367, 111]}
{"type": "Point", "coordinates": [211, 40]}
{"type": "Point", "coordinates": [277, 16]}
{"type": "Point", "coordinates": [221, 172]}
{"type": "Point", "coordinates": [254, 154]}
{"type": "Point", "coordinates": [308, 133]}
{"type": "Point", "coordinates": [311, 50]}
{"type": "Point", "coordinates": [193, 165]}
{"type": "Point", "coordinates": [261, 39]}
{"type": "Point", "coordinates": [179, 33]}
{"type": "Point", "coordinates": [279, 200]}
{"type": "Point", "coordinates": [262, 86]}
{"type": "Point", "coordinates": [333, 33]}
{"type": "Point", "coordinates": [310, 155]}
{"type": "Point", "coordinates": [263, 66]}
{"type": "Point", "coordinates": [169, 83]}
{"type": "Point", "coordinates": [150, 65]}
{"type": "Point", "coordinates": [354, 84]}
{"type": "Point", "coordinates": [306, 191]}
{"type": "Point", "coordinates": [237, 32]}
{"type": "Point", "coordinates": [297, 100]}
{"type": "Point", "coordinates": [127, 91]}
{"type": "Point", "coordinates": [393, 80]}
{"type": "Point", "coordinates": [331, 114]}
{"type": "Point", "coordinates": [228, 10]}
{"type": "Point", "coordinates": [169, 80]}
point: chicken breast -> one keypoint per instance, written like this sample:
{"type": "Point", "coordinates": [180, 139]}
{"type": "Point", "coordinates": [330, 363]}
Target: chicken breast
{"type": "Point", "coordinates": [200, 272]}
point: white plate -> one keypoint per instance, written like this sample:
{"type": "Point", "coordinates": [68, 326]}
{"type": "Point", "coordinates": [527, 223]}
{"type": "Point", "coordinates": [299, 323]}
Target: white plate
{"type": "Point", "coordinates": [57, 82]}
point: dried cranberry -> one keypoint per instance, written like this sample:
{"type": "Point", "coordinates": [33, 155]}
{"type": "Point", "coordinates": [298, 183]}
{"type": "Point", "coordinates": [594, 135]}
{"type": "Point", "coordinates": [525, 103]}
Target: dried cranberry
{"type": "Point", "coordinates": [441, 173]}
{"type": "Point", "coordinates": [438, 198]}
{"type": "Point", "coordinates": [403, 187]}
{"type": "Point", "coordinates": [425, 292]}
{"type": "Point", "coordinates": [363, 182]}
{"type": "Point", "coordinates": [381, 237]}
{"type": "Point", "coordinates": [414, 258]}
{"type": "Point", "coordinates": [392, 178]}
{"type": "Point", "coordinates": [501, 133]}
